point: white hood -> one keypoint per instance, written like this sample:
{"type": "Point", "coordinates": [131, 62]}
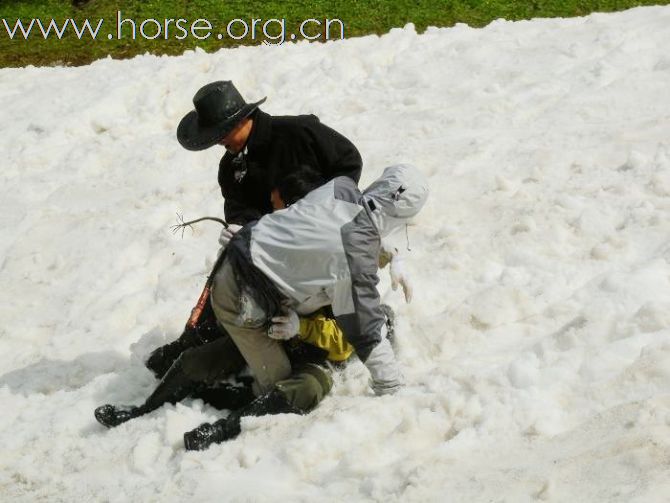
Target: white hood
{"type": "Point", "coordinates": [396, 196]}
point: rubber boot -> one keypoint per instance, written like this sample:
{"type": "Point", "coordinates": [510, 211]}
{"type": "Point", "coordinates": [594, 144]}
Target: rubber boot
{"type": "Point", "coordinates": [174, 387]}
{"type": "Point", "coordinates": [162, 358]}
{"type": "Point", "coordinates": [273, 402]}
{"type": "Point", "coordinates": [207, 330]}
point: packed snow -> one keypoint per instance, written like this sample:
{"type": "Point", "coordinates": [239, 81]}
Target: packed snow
{"type": "Point", "coordinates": [536, 349]}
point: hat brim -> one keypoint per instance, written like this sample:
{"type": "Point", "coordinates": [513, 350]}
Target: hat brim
{"type": "Point", "coordinates": [192, 136]}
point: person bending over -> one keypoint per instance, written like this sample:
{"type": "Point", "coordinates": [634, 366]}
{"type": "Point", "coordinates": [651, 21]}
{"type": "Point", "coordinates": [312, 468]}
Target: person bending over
{"type": "Point", "coordinates": [321, 251]}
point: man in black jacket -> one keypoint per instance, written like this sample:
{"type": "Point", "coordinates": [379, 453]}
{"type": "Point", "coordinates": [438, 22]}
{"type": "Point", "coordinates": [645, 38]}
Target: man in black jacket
{"type": "Point", "coordinates": [262, 152]}
{"type": "Point", "coordinates": [261, 149]}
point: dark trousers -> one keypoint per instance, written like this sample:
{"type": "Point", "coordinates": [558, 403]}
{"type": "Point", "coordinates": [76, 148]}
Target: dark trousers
{"type": "Point", "coordinates": [246, 343]}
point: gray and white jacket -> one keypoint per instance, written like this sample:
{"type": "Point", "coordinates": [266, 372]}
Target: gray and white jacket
{"type": "Point", "coordinates": [324, 250]}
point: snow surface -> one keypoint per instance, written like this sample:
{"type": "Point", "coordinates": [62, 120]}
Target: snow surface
{"type": "Point", "coordinates": [537, 348]}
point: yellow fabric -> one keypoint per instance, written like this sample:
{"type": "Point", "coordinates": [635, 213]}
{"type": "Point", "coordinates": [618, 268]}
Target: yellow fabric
{"type": "Point", "coordinates": [385, 258]}
{"type": "Point", "coordinates": [324, 333]}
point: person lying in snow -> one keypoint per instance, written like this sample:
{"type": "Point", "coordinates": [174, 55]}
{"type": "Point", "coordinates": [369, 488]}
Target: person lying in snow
{"type": "Point", "coordinates": [321, 251]}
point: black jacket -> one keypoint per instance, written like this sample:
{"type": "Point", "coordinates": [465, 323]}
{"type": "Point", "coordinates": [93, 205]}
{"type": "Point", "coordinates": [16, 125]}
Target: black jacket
{"type": "Point", "coordinates": [276, 146]}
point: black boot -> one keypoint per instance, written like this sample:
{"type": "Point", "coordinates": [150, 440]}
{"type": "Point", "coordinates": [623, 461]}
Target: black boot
{"type": "Point", "coordinates": [174, 387]}
{"type": "Point", "coordinates": [206, 434]}
{"type": "Point", "coordinates": [162, 358]}
{"type": "Point", "coordinates": [114, 415]}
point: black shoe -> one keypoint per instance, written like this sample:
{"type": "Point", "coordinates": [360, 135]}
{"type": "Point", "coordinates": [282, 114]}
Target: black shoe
{"type": "Point", "coordinates": [273, 402]}
{"type": "Point", "coordinates": [162, 358]}
{"type": "Point", "coordinates": [207, 330]}
{"type": "Point", "coordinates": [112, 415]}
{"type": "Point", "coordinates": [207, 434]}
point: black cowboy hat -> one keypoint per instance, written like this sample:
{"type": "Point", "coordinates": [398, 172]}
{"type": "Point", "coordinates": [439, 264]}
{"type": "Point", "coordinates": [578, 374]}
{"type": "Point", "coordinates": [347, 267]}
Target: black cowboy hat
{"type": "Point", "coordinates": [219, 107]}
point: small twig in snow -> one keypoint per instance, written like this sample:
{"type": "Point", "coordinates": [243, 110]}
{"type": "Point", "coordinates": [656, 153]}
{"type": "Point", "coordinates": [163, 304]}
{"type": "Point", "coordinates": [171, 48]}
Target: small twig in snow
{"type": "Point", "coordinates": [181, 225]}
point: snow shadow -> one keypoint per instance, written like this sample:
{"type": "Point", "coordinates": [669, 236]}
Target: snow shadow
{"type": "Point", "coordinates": [48, 376]}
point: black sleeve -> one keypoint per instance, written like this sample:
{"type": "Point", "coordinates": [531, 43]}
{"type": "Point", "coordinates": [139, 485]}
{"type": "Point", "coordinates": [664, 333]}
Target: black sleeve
{"type": "Point", "coordinates": [236, 207]}
{"type": "Point", "coordinates": [337, 155]}
{"type": "Point", "coordinates": [238, 213]}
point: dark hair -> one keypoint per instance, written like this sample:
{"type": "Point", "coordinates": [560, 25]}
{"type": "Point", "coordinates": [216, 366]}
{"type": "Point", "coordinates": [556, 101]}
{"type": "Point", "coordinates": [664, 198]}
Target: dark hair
{"type": "Point", "coordinates": [298, 183]}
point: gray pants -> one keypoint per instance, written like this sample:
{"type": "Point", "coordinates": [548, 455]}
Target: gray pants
{"type": "Point", "coordinates": [247, 325]}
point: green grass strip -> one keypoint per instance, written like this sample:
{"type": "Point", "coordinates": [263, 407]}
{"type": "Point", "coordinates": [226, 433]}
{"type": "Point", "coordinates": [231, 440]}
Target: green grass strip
{"type": "Point", "coordinates": [358, 17]}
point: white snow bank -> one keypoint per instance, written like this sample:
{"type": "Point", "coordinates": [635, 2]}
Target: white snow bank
{"type": "Point", "coordinates": [536, 348]}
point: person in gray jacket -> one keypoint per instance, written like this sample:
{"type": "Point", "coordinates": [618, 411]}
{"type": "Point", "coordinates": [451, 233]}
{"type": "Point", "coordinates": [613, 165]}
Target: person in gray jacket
{"type": "Point", "coordinates": [323, 250]}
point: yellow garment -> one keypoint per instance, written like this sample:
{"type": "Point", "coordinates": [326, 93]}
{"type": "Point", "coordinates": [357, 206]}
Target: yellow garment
{"type": "Point", "coordinates": [324, 333]}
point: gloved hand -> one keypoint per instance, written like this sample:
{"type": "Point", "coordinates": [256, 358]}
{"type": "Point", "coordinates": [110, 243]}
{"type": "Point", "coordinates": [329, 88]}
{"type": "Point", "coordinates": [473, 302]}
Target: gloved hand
{"type": "Point", "coordinates": [227, 234]}
{"type": "Point", "coordinates": [384, 372]}
{"type": "Point", "coordinates": [284, 327]}
{"type": "Point", "coordinates": [400, 277]}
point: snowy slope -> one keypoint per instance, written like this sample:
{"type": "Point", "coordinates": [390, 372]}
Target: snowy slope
{"type": "Point", "coordinates": [537, 349]}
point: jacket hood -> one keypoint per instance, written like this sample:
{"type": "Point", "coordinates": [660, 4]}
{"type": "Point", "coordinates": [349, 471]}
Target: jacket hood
{"type": "Point", "coordinates": [396, 196]}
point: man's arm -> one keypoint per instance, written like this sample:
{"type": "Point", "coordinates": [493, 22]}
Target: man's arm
{"type": "Point", "coordinates": [358, 310]}
{"type": "Point", "coordinates": [236, 207]}
{"type": "Point", "coordinates": [356, 307]}
{"type": "Point", "coordinates": [365, 329]}
{"type": "Point", "coordinates": [337, 155]}
{"type": "Point", "coordinates": [237, 213]}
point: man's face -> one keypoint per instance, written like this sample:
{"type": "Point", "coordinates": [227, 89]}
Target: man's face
{"type": "Point", "coordinates": [237, 138]}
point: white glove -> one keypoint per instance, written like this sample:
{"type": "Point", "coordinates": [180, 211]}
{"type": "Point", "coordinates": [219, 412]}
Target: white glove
{"type": "Point", "coordinates": [400, 277]}
{"type": "Point", "coordinates": [284, 327]}
{"type": "Point", "coordinates": [227, 234]}
{"type": "Point", "coordinates": [384, 372]}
